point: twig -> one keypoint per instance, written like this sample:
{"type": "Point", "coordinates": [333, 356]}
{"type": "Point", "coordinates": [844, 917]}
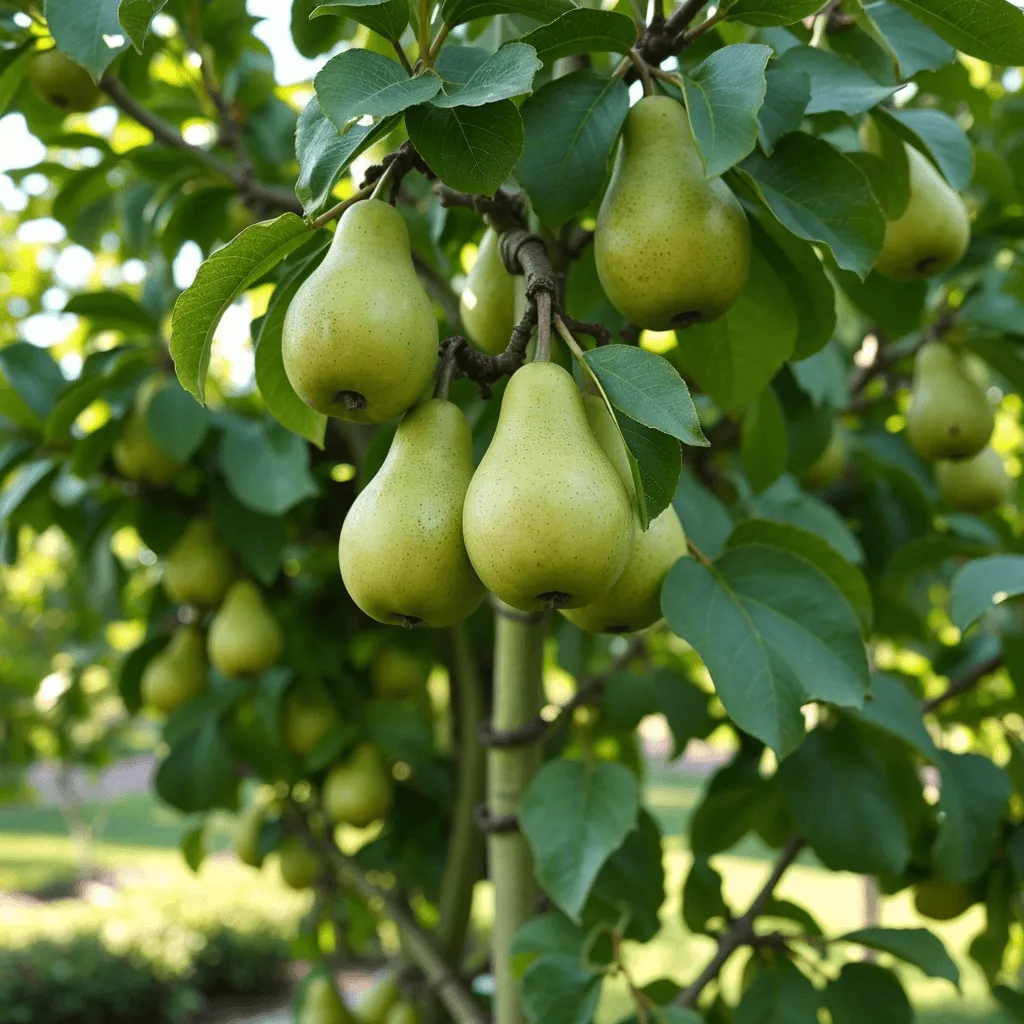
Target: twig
{"type": "Point", "coordinates": [400, 50]}
{"type": "Point", "coordinates": [697, 553]}
{"type": "Point", "coordinates": [663, 39]}
{"type": "Point", "coordinates": [435, 46]}
{"type": "Point", "coordinates": [705, 26]}
{"type": "Point", "coordinates": [446, 368]}
{"type": "Point", "coordinates": [965, 682]}
{"type": "Point", "coordinates": [644, 72]}
{"type": "Point", "coordinates": [543, 301]}
{"type": "Point", "coordinates": [505, 210]}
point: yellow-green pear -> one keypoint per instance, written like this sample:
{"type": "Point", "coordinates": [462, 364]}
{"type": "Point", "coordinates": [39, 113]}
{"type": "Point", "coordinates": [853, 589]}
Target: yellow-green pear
{"type": "Point", "coordinates": [943, 901]}
{"type": "Point", "coordinates": [975, 368]}
{"type": "Point", "coordinates": [299, 865]}
{"type": "Point", "coordinates": [672, 247]}
{"type": "Point", "coordinates": [634, 600]}
{"type": "Point", "coordinates": [198, 568]}
{"type": "Point", "coordinates": [307, 717]}
{"type": "Point", "coordinates": [402, 1013]}
{"type": "Point", "coordinates": [950, 416]}
{"type": "Point", "coordinates": [374, 1007]}
{"type": "Point", "coordinates": [976, 484]}
{"type": "Point", "coordinates": [177, 673]}
{"type": "Point", "coordinates": [828, 467]}
{"type": "Point", "coordinates": [321, 1003]}
{"type": "Point", "coordinates": [547, 521]}
{"type": "Point", "coordinates": [136, 455]}
{"type": "Point", "coordinates": [932, 233]}
{"type": "Point", "coordinates": [358, 791]}
{"type": "Point", "coordinates": [244, 639]}
{"type": "Point", "coordinates": [360, 337]}
{"type": "Point", "coordinates": [62, 82]}
{"type": "Point", "coordinates": [487, 305]}
{"type": "Point", "coordinates": [399, 673]}
{"type": "Point", "coordinates": [247, 835]}
{"type": "Point", "coordinates": [402, 556]}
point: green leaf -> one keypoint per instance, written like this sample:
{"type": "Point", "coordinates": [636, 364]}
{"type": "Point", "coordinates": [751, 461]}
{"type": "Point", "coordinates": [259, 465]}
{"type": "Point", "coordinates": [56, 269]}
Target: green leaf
{"type": "Point", "coordinates": [707, 521]}
{"type": "Point", "coordinates": [136, 16]}
{"type": "Point", "coordinates": [359, 82]}
{"type": "Point", "coordinates": [992, 30]}
{"type": "Point", "coordinates": [865, 992]}
{"type": "Point", "coordinates": [472, 149]}
{"type": "Point", "coordinates": [812, 548]}
{"type": "Point", "coordinates": [836, 83]}
{"type": "Point", "coordinates": [129, 680]}
{"type": "Point", "coordinates": [771, 12]}
{"type": "Point", "coordinates": [276, 390]}
{"type": "Point", "coordinates": [257, 538]}
{"type": "Point", "coordinates": [111, 311]}
{"type": "Point", "coordinates": [763, 440]}
{"type": "Point", "coordinates": [973, 803]}
{"type": "Point", "coordinates": [456, 12]}
{"type": "Point", "coordinates": [703, 902]}
{"type": "Point", "coordinates": [34, 375]}
{"type": "Point", "coordinates": [656, 461]}
{"type": "Point", "coordinates": [844, 804]}
{"type": "Point", "coordinates": [940, 137]}
{"type": "Point", "coordinates": [193, 847]}
{"type": "Point", "coordinates": [221, 279]}
{"type": "Point", "coordinates": [266, 467]}
{"type": "Point", "coordinates": [732, 804]}
{"type": "Point", "coordinates": [199, 772]}
{"type": "Point", "coordinates": [25, 480]}
{"type": "Point", "coordinates": [387, 18]}
{"type": "Point", "coordinates": [550, 933]}
{"type": "Point", "coordinates": [505, 74]}
{"type": "Point", "coordinates": [824, 378]}
{"type": "Point", "coordinates": [87, 31]}
{"type": "Point", "coordinates": [575, 816]}
{"type": "Point", "coordinates": [779, 996]}
{"type": "Point", "coordinates": [821, 196]}
{"type": "Point", "coordinates": [785, 102]}
{"type": "Point", "coordinates": [1010, 1000]}
{"type": "Point", "coordinates": [12, 74]}
{"type": "Point", "coordinates": [893, 708]}
{"type": "Point", "coordinates": [176, 422]}
{"type": "Point", "coordinates": [647, 389]}
{"type": "Point", "coordinates": [916, 46]}
{"type": "Point", "coordinates": [571, 125]}
{"type": "Point", "coordinates": [685, 707]}
{"type": "Point", "coordinates": [982, 583]}
{"type": "Point", "coordinates": [560, 988]}
{"type": "Point", "coordinates": [723, 95]}
{"type": "Point", "coordinates": [774, 632]}
{"type": "Point", "coordinates": [734, 357]}
{"type": "Point", "coordinates": [896, 306]}
{"type": "Point", "coordinates": [582, 30]}
{"type": "Point", "coordinates": [916, 946]}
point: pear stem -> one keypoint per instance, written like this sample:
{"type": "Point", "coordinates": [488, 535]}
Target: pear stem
{"type": "Point", "coordinates": [435, 46]}
{"type": "Point", "coordinates": [336, 211]}
{"type": "Point", "coordinates": [543, 302]}
{"type": "Point", "coordinates": [446, 369]}
{"type": "Point", "coordinates": [384, 180]}
{"type": "Point", "coordinates": [644, 71]}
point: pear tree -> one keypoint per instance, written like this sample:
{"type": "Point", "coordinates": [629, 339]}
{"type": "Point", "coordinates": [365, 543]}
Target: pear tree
{"type": "Point", "coordinates": [439, 445]}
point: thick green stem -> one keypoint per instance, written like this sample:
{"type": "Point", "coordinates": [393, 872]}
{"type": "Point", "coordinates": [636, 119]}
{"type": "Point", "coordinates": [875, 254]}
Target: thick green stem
{"type": "Point", "coordinates": [518, 697]}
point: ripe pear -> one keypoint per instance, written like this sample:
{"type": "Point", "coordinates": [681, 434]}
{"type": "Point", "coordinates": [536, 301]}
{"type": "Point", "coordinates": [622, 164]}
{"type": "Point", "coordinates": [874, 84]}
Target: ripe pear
{"type": "Point", "coordinates": [399, 673]}
{"type": "Point", "coordinates": [672, 248]}
{"type": "Point", "coordinates": [321, 1004]}
{"type": "Point", "coordinates": [487, 305]}
{"type": "Point", "coordinates": [198, 568]}
{"type": "Point", "coordinates": [828, 467]}
{"type": "Point", "coordinates": [949, 416]}
{"type": "Point", "coordinates": [976, 484]}
{"type": "Point", "coordinates": [402, 1013]}
{"type": "Point", "coordinates": [547, 521]}
{"type": "Point", "coordinates": [299, 865]}
{"type": "Point", "coordinates": [136, 455]}
{"type": "Point", "coordinates": [379, 1000]}
{"type": "Point", "coordinates": [360, 337]}
{"type": "Point", "coordinates": [358, 791]}
{"type": "Point", "coordinates": [176, 674]}
{"type": "Point", "coordinates": [401, 550]}
{"type": "Point", "coordinates": [308, 716]}
{"type": "Point", "coordinates": [634, 601]}
{"type": "Point", "coordinates": [62, 82]}
{"type": "Point", "coordinates": [245, 639]}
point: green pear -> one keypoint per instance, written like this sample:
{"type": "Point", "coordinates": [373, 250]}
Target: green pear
{"type": "Point", "coordinates": [401, 550]}
{"type": "Point", "coordinates": [828, 467]}
{"type": "Point", "coordinates": [976, 484]}
{"type": "Point", "coordinates": [198, 568]}
{"type": "Point", "coordinates": [308, 716]}
{"type": "Point", "coordinates": [943, 901]}
{"type": "Point", "coordinates": [247, 834]}
{"type": "Point", "coordinates": [299, 865]}
{"type": "Point", "coordinates": [321, 1003]}
{"type": "Point", "coordinates": [136, 455]}
{"type": "Point", "coordinates": [245, 639]}
{"type": "Point", "coordinates": [398, 673]}
{"type": "Point", "coordinates": [487, 305]}
{"type": "Point", "coordinates": [177, 673]}
{"type": "Point", "coordinates": [378, 1001]}
{"type": "Point", "coordinates": [360, 337]}
{"type": "Point", "coordinates": [358, 791]}
{"type": "Point", "coordinates": [949, 416]}
{"type": "Point", "coordinates": [402, 1013]}
{"type": "Point", "coordinates": [62, 82]}
{"type": "Point", "coordinates": [932, 233]}
{"type": "Point", "coordinates": [547, 521]}
{"type": "Point", "coordinates": [672, 247]}
{"type": "Point", "coordinates": [634, 600]}
{"type": "Point", "coordinates": [975, 368]}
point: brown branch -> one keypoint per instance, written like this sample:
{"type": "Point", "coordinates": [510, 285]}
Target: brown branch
{"type": "Point", "coordinates": [505, 210]}
{"type": "Point", "coordinates": [963, 683]}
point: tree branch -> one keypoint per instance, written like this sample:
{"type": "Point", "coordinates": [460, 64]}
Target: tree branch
{"type": "Point", "coordinates": [963, 683]}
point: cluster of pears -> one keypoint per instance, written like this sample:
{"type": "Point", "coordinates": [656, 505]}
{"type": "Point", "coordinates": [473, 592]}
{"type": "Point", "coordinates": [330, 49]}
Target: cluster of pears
{"type": "Point", "coordinates": [62, 82]}
{"type": "Point", "coordinates": [382, 1004]}
{"type": "Point", "coordinates": [950, 422]}
{"type": "Point", "coordinates": [546, 521]}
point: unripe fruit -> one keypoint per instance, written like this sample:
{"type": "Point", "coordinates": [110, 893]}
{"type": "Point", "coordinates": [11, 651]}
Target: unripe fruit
{"type": "Point", "coordinates": [62, 82]}
{"type": "Point", "coordinates": [358, 791]}
{"type": "Point", "coordinates": [299, 865]}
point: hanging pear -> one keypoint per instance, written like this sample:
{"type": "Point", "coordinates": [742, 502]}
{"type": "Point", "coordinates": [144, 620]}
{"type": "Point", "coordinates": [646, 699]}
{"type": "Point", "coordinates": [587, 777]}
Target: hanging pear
{"type": "Point", "coordinates": [949, 416]}
{"type": "Point", "coordinates": [198, 568]}
{"type": "Point", "coordinates": [358, 791]}
{"type": "Point", "coordinates": [828, 467]}
{"type": "Point", "coordinates": [248, 832]}
{"type": "Point", "coordinates": [378, 1001]}
{"type": "Point", "coordinates": [136, 455]}
{"type": "Point", "coordinates": [976, 484]}
{"type": "Point", "coordinates": [321, 1003]}
{"type": "Point", "coordinates": [245, 639]}
{"type": "Point", "coordinates": [634, 600]}
{"type": "Point", "coordinates": [307, 717]}
{"type": "Point", "coordinates": [487, 305]}
{"type": "Point", "coordinates": [399, 673]}
{"type": "Point", "coordinates": [401, 551]}
{"type": "Point", "coordinates": [547, 521]}
{"type": "Point", "coordinates": [62, 82]}
{"type": "Point", "coordinates": [298, 864]}
{"type": "Point", "coordinates": [360, 337]}
{"type": "Point", "coordinates": [672, 248]}
{"type": "Point", "coordinates": [176, 674]}
{"type": "Point", "coordinates": [402, 1013]}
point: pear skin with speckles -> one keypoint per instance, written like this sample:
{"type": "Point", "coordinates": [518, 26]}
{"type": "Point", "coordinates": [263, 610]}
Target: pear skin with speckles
{"type": "Point", "coordinates": [403, 559]}
{"type": "Point", "coordinates": [360, 337]}
{"type": "Point", "coordinates": [487, 304]}
{"type": "Point", "coordinates": [672, 247]}
{"type": "Point", "coordinates": [547, 522]}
